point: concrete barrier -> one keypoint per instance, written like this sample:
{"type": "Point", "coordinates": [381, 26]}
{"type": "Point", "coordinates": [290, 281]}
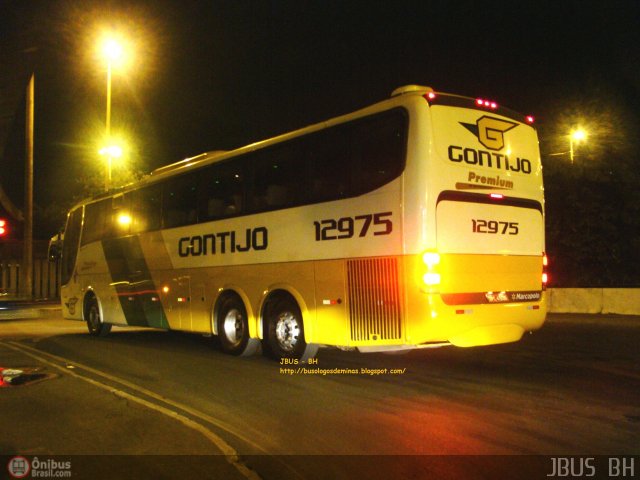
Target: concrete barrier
{"type": "Point", "coordinates": [623, 301]}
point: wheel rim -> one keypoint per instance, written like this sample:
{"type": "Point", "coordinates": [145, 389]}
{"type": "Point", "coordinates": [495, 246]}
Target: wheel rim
{"type": "Point", "coordinates": [233, 326]}
{"type": "Point", "coordinates": [287, 331]}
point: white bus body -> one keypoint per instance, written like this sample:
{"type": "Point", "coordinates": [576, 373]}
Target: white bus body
{"type": "Point", "coordinates": [416, 222]}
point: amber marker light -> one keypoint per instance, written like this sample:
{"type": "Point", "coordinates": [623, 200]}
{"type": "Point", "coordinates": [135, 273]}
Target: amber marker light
{"type": "Point", "coordinates": [545, 275]}
{"type": "Point", "coordinates": [431, 261]}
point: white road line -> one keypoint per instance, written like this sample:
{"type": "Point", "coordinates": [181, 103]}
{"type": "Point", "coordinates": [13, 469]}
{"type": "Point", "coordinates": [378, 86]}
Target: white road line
{"type": "Point", "coordinates": [132, 386]}
{"type": "Point", "coordinates": [227, 450]}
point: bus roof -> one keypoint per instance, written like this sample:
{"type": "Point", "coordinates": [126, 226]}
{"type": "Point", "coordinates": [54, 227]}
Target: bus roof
{"type": "Point", "coordinates": [429, 94]}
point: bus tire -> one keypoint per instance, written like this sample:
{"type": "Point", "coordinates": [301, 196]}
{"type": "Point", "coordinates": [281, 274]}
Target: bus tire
{"type": "Point", "coordinates": [233, 328]}
{"type": "Point", "coordinates": [285, 331]}
{"type": "Point", "coordinates": [95, 325]}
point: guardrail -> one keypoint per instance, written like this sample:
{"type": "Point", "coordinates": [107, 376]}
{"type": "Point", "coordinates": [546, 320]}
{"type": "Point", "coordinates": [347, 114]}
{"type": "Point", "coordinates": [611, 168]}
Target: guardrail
{"type": "Point", "coordinates": [623, 301]}
{"type": "Point", "coordinates": [46, 279]}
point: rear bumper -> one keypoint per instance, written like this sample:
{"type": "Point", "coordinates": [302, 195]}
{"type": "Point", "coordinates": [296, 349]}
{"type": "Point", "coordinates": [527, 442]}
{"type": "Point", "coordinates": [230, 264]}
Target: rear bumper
{"type": "Point", "coordinates": [499, 299]}
{"type": "Point", "coordinates": [474, 325]}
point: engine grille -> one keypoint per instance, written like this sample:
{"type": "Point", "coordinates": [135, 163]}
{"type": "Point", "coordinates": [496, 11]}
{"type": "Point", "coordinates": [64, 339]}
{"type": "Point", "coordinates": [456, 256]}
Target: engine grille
{"type": "Point", "coordinates": [374, 299]}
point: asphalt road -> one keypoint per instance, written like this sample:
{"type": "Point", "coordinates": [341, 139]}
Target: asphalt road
{"type": "Point", "coordinates": [571, 389]}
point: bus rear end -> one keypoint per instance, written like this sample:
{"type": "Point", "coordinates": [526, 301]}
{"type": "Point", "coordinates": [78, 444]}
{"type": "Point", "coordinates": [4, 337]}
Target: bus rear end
{"type": "Point", "coordinates": [478, 267]}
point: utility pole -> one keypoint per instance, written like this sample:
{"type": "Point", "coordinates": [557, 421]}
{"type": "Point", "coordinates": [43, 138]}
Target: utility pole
{"type": "Point", "coordinates": [27, 254]}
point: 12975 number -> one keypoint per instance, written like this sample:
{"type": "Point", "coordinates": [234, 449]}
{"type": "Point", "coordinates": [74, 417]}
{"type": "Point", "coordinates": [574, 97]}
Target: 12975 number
{"type": "Point", "coordinates": [494, 226]}
{"type": "Point", "coordinates": [348, 227]}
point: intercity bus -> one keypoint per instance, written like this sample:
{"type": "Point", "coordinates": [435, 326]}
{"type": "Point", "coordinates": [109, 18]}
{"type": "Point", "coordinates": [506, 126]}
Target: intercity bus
{"type": "Point", "coordinates": [416, 222]}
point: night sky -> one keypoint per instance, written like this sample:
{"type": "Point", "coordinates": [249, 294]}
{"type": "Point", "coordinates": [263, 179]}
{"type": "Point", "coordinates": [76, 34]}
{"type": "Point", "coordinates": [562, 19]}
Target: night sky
{"type": "Point", "coordinates": [212, 75]}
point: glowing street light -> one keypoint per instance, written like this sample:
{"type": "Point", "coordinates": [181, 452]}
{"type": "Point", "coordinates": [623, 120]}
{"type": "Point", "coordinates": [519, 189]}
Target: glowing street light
{"type": "Point", "coordinates": [576, 137]}
{"type": "Point", "coordinates": [110, 151]}
{"type": "Point", "coordinates": [113, 151]}
{"type": "Point", "coordinates": [113, 51]}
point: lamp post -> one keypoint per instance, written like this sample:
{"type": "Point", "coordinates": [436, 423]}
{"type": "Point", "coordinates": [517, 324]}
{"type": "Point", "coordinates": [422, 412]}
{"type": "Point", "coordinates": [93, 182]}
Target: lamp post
{"type": "Point", "coordinates": [577, 136]}
{"type": "Point", "coordinates": [112, 51]}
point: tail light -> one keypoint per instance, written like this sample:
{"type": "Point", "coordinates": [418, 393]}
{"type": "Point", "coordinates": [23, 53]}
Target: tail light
{"type": "Point", "coordinates": [545, 275]}
{"type": "Point", "coordinates": [431, 274]}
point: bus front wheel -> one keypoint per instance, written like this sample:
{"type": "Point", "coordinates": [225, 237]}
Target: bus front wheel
{"type": "Point", "coordinates": [96, 326]}
{"type": "Point", "coordinates": [285, 331]}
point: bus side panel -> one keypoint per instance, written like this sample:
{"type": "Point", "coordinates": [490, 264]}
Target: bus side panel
{"type": "Point", "coordinates": [132, 280]}
{"type": "Point", "coordinates": [331, 326]}
{"type": "Point", "coordinates": [93, 275]}
{"type": "Point", "coordinates": [170, 285]}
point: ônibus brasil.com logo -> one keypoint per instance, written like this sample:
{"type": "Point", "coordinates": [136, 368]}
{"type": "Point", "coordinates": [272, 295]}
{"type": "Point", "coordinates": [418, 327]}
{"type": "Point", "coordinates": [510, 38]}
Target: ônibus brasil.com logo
{"type": "Point", "coordinates": [20, 467]}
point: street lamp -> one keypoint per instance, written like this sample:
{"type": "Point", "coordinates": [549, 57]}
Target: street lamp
{"type": "Point", "coordinates": [577, 136]}
{"type": "Point", "coordinates": [110, 151]}
{"type": "Point", "coordinates": [112, 51]}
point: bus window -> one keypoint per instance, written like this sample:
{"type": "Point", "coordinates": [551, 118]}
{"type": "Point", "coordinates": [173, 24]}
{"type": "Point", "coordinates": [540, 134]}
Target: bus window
{"type": "Point", "coordinates": [118, 219]}
{"type": "Point", "coordinates": [70, 246]}
{"type": "Point", "coordinates": [221, 191]}
{"type": "Point", "coordinates": [378, 149]}
{"type": "Point", "coordinates": [279, 176]}
{"type": "Point", "coordinates": [330, 168]}
{"type": "Point", "coordinates": [95, 216]}
{"type": "Point", "coordinates": [146, 209]}
{"type": "Point", "coordinates": [180, 200]}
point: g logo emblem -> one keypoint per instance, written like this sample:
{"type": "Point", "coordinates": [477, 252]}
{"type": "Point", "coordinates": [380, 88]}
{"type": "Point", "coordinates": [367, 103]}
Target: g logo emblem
{"type": "Point", "coordinates": [490, 131]}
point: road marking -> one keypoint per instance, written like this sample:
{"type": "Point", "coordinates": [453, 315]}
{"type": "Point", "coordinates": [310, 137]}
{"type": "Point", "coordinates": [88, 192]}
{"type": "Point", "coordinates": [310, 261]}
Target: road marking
{"type": "Point", "coordinates": [227, 450]}
{"type": "Point", "coordinates": [195, 413]}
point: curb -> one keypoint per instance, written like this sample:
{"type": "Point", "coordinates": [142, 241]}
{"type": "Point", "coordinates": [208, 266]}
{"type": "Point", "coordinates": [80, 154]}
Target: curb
{"type": "Point", "coordinates": [30, 313]}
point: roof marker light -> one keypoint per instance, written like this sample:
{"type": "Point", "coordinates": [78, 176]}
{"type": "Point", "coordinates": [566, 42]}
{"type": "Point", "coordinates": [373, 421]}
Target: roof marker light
{"type": "Point", "coordinates": [530, 119]}
{"type": "Point", "coordinates": [481, 102]}
{"type": "Point", "coordinates": [497, 196]}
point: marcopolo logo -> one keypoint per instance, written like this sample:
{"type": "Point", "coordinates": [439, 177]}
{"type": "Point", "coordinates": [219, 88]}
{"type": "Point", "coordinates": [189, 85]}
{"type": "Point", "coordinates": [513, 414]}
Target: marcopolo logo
{"type": "Point", "coordinates": [490, 131]}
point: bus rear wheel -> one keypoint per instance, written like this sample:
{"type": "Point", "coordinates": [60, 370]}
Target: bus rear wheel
{"type": "Point", "coordinates": [233, 328]}
{"type": "Point", "coordinates": [95, 325]}
{"type": "Point", "coordinates": [285, 331]}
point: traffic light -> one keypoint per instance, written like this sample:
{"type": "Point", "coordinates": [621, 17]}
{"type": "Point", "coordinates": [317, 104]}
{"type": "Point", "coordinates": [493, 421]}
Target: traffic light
{"type": "Point", "coordinates": [3, 227]}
